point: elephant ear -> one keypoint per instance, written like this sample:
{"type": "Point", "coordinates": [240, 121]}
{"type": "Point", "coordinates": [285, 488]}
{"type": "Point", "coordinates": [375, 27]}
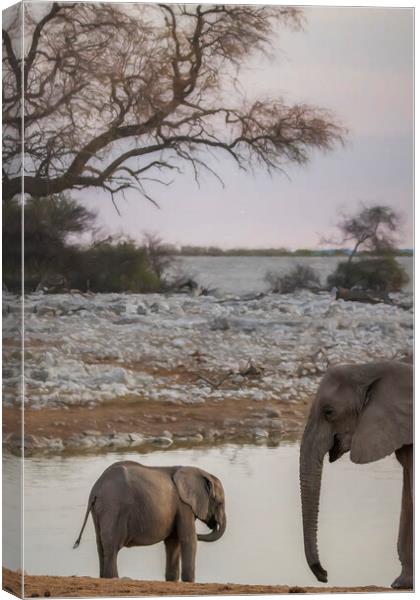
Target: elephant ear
{"type": "Point", "coordinates": [194, 488]}
{"type": "Point", "coordinates": [386, 420]}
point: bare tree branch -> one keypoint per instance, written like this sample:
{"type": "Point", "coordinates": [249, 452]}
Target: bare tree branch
{"type": "Point", "coordinates": [117, 95]}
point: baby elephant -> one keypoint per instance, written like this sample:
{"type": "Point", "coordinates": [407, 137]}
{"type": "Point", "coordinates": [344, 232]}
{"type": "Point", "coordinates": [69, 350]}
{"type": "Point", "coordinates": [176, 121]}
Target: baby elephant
{"type": "Point", "coordinates": [135, 505]}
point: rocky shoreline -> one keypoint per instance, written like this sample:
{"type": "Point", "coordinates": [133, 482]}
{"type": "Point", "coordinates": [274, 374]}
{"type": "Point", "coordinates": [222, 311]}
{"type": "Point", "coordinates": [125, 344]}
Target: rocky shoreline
{"type": "Point", "coordinates": [125, 371]}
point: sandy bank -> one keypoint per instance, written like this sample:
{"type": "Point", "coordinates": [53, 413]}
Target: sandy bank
{"type": "Point", "coordinates": [44, 586]}
{"type": "Point", "coordinates": [147, 425]}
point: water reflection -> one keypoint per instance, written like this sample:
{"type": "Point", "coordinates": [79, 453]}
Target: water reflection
{"type": "Point", "coordinates": [263, 542]}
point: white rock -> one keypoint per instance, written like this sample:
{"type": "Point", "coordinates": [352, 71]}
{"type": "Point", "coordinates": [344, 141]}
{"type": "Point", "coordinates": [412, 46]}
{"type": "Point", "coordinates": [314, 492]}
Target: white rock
{"type": "Point", "coordinates": [163, 441]}
{"type": "Point", "coordinates": [115, 375]}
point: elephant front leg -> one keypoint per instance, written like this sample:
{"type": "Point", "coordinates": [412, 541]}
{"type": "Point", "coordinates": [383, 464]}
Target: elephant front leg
{"type": "Point", "coordinates": [187, 538]}
{"type": "Point", "coordinates": [173, 555]}
{"type": "Point", "coordinates": [188, 553]}
{"type": "Point", "coordinates": [405, 534]}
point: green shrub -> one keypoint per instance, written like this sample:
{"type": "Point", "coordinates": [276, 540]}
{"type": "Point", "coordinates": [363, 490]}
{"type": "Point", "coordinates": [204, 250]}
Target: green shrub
{"type": "Point", "coordinates": [298, 278]}
{"type": "Point", "coordinates": [54, 260]}
{"type": "Point", "coordinates": [118, 267]}
{"type": "Point", "coordinates": [378, 274]}
{"type": "Point", "coordinates": [49, 224]}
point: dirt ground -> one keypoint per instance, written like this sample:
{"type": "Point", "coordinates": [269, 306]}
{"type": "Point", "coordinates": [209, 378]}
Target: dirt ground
{"type": "Point", "coordinates": [67, 587]}
{"type": "Point", "coordinates": [148, 418]}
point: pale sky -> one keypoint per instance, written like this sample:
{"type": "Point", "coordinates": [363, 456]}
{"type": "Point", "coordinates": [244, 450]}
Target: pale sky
{"type": "Point", "coordinates": [358, 63]}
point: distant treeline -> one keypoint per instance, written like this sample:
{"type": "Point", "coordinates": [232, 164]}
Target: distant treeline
{"type": "Point", "coordinates": [301, 252]}
{"type": "Point", "coordinates": [55, 259]}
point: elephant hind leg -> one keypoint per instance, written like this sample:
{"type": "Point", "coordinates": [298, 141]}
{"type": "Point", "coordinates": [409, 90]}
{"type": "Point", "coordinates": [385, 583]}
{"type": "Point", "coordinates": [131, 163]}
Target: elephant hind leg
{"type": "Point", "coordinates": [110, 564]}
{"type": "Point", "coordinates": [113, 530]}
{"type": "Point", "coordinates": [173, 556]}
{"type": "Point", "coordinates": [405, 534]}
{"type": "Point", "coordinates": [99, 546]}
{"type": "Point", "coordinates": [100, 555]}
{"type": "Point", "coordinates": [110, 545]}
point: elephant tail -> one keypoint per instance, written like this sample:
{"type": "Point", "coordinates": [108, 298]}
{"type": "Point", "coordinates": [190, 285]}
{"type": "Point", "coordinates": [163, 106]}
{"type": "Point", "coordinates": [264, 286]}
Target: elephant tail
{"type": "Point", "coordinates": [89, 508]}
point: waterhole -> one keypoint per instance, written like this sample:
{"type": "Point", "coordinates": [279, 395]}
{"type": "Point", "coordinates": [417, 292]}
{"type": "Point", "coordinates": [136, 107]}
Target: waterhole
{"type": "Point", "coordinates": [263, 543]}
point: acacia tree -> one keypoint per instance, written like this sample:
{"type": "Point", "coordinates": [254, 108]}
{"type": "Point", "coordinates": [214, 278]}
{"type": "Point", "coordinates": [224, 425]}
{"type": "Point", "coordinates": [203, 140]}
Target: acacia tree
{"type": "Point", "coordinates": [372, 228]}
{"type": "Point", "coordinates": [117, 96]}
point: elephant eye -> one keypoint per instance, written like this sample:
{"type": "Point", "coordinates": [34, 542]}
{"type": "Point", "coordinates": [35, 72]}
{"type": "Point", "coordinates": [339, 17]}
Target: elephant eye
{"type": "Point", "coordinates": [328, 411]}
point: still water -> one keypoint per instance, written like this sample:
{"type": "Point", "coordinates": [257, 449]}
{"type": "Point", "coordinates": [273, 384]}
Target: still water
{"type": "Point", "coordinates": [246, 274]}
{"type": "Point", "coordinates": [263, 542]}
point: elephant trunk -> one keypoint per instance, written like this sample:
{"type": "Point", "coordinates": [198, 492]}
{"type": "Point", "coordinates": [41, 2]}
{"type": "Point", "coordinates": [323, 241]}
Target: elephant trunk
{"type": "Point", "coordinates": [311, 460]}
{"type": "Point", "coordinates": [216, 533]}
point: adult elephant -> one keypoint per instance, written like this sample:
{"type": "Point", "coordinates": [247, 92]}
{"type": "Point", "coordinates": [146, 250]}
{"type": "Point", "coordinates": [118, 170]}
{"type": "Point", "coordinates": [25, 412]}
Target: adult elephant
{"type": "Point", "coordinates": [366, 409]}
{"type": "Point", "coordinates": [135, 505]}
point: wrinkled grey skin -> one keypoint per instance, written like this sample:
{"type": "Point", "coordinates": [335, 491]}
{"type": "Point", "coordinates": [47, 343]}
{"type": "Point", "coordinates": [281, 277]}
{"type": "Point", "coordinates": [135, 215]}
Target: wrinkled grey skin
{"type": "Point", "coordinates": [366, 410]}
{"type": "Point", "coordinates": [134, 505]}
